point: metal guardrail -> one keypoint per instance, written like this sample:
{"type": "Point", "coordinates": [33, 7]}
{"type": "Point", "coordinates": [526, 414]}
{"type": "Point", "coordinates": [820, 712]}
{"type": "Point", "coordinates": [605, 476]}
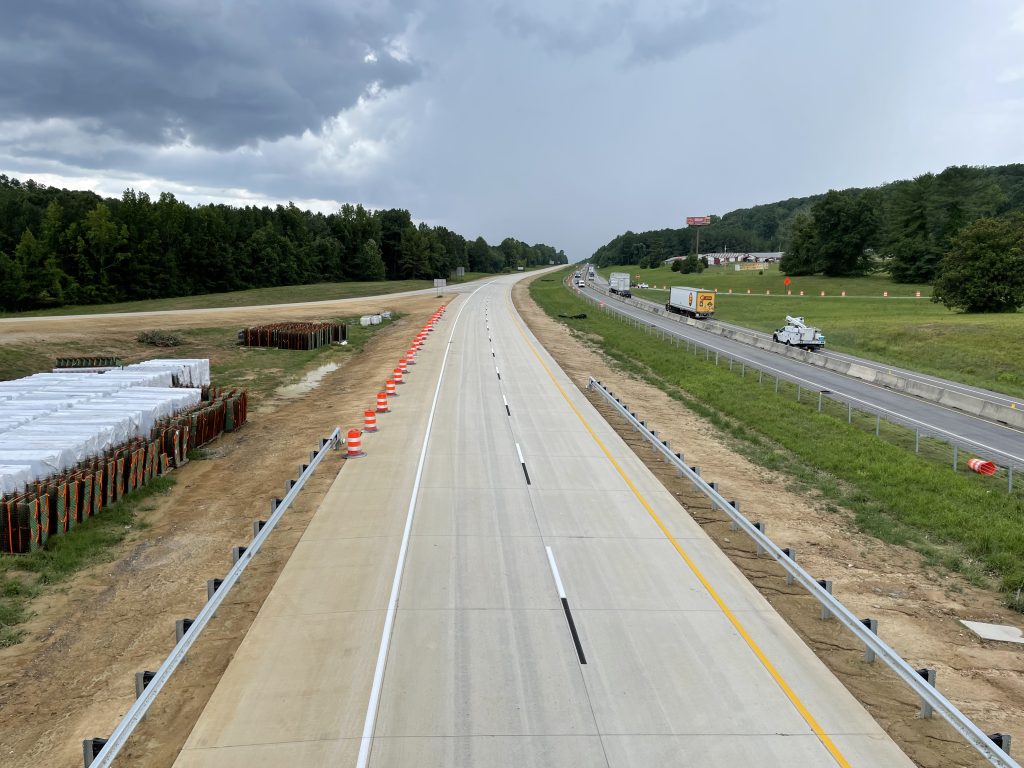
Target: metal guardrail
{"type": "Point", "coordinates": [930, 696]}
{"type": "Point", "coordinates": [1009, 461]}
{"type": "Point", "coordinates": [119, 737]}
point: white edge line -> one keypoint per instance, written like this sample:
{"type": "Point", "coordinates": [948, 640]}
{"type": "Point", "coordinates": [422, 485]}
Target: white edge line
{"type": "Point", "coordinates": [521, 459]}
{"type": "Point", "coordinates": [554, 572]}
{"type": "Point", "coordinates": [370, 723]}
{"type": "Point", "coordinates": [504, 400]}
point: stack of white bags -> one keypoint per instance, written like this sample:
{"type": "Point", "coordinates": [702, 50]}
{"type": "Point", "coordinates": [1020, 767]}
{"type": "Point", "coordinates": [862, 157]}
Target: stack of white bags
{"type": "Point", "coordinates": [50, 422]}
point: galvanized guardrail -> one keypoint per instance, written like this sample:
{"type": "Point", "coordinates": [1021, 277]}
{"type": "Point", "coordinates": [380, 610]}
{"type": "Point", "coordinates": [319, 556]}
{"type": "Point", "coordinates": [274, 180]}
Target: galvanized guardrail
{"type": "Point", "coordinates": [1009, 462]}
{"type": "Point", "coordinates": [119, 737]}
{"type": "Point", "coordinates": [930, 696]}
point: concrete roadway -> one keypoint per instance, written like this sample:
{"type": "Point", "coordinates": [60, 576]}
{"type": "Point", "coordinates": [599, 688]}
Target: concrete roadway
{"type": "Point", "coordinates": [931, 418]}
{"type": "Point", "coordinates": [420, 621]}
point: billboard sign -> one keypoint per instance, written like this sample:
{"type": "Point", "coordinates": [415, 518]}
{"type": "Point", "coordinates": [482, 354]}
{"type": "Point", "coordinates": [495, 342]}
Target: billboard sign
{"type": "Point", "coordinates": [698, 221]}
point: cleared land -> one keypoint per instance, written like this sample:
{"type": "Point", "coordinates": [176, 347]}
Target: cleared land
{"type": "Point", "coordinates": [981, 350]}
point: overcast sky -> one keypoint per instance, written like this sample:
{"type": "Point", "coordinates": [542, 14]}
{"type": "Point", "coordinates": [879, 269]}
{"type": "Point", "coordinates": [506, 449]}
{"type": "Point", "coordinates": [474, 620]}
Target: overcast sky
{"type": "Point", "coordinates": [557, 122]}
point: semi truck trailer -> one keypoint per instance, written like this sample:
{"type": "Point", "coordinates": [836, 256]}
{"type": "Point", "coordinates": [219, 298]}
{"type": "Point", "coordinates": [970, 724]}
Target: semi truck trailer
{"type": "Point", "coordinates": [619, 284]}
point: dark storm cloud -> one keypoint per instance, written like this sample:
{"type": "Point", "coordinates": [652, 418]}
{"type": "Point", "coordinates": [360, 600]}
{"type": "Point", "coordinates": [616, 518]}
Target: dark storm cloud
{"type": "Point", "coordinates": [224, 74]}
{"type": "Point", "coordinates": [648, 31]}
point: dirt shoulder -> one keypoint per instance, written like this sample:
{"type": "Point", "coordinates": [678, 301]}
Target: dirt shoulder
{"type": "Point", "coordinates": [918, 609]}
{"type": "Point", "coordinates": [72, 677]}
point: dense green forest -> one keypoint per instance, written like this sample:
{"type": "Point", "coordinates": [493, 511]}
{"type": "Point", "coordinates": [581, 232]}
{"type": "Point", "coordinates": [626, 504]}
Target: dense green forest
{"type": "Point", "coordinates": [60, 246]}
{"type": "Point", "coordinates": [905, 227]}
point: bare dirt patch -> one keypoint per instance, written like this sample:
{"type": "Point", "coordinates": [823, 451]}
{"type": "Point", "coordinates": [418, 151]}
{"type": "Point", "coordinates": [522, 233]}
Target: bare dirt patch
{"type": "Point", "coordinates": [72, 677]}
{"type": "Point", "coordinates": [917, 607]}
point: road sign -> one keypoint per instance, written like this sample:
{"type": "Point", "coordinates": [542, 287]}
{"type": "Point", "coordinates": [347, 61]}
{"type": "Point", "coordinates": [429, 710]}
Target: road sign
{"type": "Point", "coordinates": [786, 281]}
{"type": "Point", "coordinates": [698, 221]}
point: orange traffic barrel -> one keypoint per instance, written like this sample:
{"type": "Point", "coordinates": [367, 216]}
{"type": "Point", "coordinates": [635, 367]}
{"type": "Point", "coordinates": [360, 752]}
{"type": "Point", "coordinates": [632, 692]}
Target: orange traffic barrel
{"type": "Point", "coordinates": [370, 420]}
{"type": "Point", "coordinates": [403, 364]}
{"type": "Point", "coordinates": [397, 376]}
{"type": "Point", "coordinates": [382, 402]}
{"type": "Point", "coordinates": [389, 387]}
{"type": "Point", "coordinates": [410, 356]}
{"type": "Point", "coordinates": [355, 444]}
{"type": "Point", "coordinates": [981, 466]}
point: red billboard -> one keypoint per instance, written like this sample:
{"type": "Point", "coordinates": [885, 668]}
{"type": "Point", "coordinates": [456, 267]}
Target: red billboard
{"type": "Point", "coordinates": [698, 221]}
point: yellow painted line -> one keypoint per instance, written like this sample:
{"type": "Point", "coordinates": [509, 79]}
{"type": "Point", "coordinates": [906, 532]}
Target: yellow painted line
{"type": "Point", "coordinates": [783, 685]}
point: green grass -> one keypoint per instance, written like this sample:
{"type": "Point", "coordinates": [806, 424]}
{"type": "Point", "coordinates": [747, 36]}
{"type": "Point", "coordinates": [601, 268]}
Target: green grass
{"type": "Point", "coordinates": [980, 350]}
{"type": "Point", "coordinates": [964, 522]}
{"type": "Point", "coordinates": [22, 576]}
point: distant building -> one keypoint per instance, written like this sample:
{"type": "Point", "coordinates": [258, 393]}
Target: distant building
{"type": "Point", "coordinates": [730, 257]}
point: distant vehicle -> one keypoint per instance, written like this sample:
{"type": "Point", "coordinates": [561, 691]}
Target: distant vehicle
{"type": "Point", "coordinates": [692, 302]}
{"type": "Point", "coordinates": [619, 284]}
{"type": "Point", "coordinates": [796, 333]}
{"type": "Point", "coordinates": [642, 285]}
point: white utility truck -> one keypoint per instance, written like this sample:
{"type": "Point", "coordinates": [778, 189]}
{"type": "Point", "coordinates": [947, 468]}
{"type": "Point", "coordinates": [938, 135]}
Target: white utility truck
{"type": "Point", "coordinates": [692, 302]}
{"type": "Point", "coordinates": [619, 284]}
{"type": "Point", "coordinates": [796, 333]}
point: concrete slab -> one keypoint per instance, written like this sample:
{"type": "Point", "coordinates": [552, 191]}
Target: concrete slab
{"type": "Point", "coordinates": [474, 572]}
{"type": "Point", "coordinates": [475, 512]}
{"type": "Point", "coordinates": [663, 672]}
{"type": "Point", "coordinates": [1003, 633]}
{"type": "Point", "coordinates": [483, 672]}
{"type": "Point", "coordinates": [489, 752]}
{"type": "Point", "coordinates": [294, 681]}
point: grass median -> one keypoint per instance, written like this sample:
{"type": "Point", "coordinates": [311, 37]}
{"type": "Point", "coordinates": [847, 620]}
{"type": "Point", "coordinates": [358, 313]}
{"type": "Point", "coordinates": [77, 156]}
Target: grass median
{"type": "Point", "coordinates": [964, 522]}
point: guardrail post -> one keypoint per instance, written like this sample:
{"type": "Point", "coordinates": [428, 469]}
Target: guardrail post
{"type": "Point", "coordinates": [1009, 484]}
{"type": "Point", "coordinates": [1001, 740]}
{"type": "Point", "coordinates": [681, 461]}
{"type": "Point", "coordinates": [716, 358]}
{"type": "Point", "coordinates": [820, 395]}
{"type": "Point", "coordinates": [776, 385]}
{"type": "Point", "coordinates": [212, 585]}
{"type": "Point", "coordinates": [257, 526]}
{"type": "Point", "coordinates": [928, 674]}
{"type": "Point", "coordinates": [762, 528]}
{"type": "Point", "coordinates": [872, 624]}
{"type": "Point", "coordinates": [236, 554]}
{"type": "Point", "coordinates": [825, 584]}
{"type": "Point", "coordinates": [760, 374]}
{"type": "Point", "coordinates": [142, 679]}
{"type": "Point", "coordinates": [733, 525]}
{"type": "Point", "coordinates": [799, 390]}
{"type": "Point", "coordinates": [695, 469]}
{"type": "Point", "coordinates": [90, 749]}
{"type": "Point", "coordinates": [917, 440]}
{"type": "Point", "coordinates": [180, 628]}
{"type": "Point", "coordinates": [878, 425]}
{"type": "Point", "coordinates": [849, 413]}
{"type": "Point", "coordinates": [954, 457]}
{"type": "Point", "coordinates": [789, 552]}
{"type": "Point", "coordinates": [730, 363]}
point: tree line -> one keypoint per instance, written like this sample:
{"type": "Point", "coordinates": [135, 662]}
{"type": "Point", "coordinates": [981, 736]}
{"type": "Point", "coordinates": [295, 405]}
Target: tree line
{"type": "Point", "coordinates": [917, 230]}
{"type": "Point", "coordinates": [64, 247]}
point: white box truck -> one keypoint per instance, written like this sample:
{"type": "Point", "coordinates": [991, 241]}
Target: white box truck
{"type": "Point", "coordinates": [796, 333]}
{"type": "Point", "coordinates": [619, 284]}
{"type": "Point", "coordinates": [692, 302]}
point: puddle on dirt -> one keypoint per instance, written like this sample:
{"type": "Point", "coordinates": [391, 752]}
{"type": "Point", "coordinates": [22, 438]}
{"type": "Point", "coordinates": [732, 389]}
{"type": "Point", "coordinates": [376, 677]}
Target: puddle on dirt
{"type": "Point", "coordinates": [308, 383]}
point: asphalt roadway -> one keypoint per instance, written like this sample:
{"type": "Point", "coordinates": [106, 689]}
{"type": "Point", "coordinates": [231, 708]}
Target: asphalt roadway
{"type": "Point", "coordinates": [424, 618]}
{"type": "Point", "coordinates": [969, 432]}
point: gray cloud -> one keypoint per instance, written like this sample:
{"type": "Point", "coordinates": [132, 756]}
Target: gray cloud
{"type": "Point", "coordinates": [645, 31]}
{"type": "Point", "coordinates": [218, 74]}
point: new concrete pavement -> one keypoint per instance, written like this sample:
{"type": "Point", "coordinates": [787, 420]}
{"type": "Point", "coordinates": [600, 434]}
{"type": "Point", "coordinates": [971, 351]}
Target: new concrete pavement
{"type": "Point", "coordinates": [421, 619]}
